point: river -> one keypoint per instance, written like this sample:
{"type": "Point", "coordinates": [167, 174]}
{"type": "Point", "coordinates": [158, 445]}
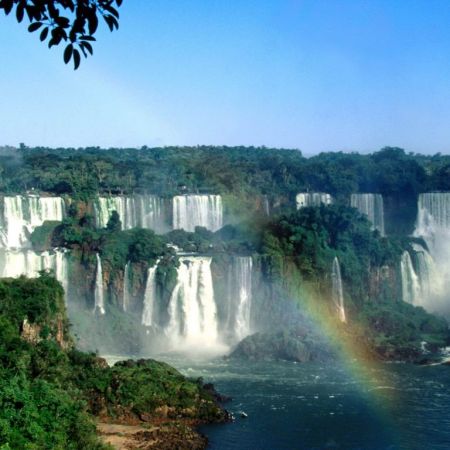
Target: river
{"type": "Point", "coordinates": [333, 406]}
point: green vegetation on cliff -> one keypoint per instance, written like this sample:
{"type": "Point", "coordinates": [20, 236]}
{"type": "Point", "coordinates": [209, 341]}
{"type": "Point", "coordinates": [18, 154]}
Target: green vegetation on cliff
{"type": "Point", "coordinates": [50, 392]}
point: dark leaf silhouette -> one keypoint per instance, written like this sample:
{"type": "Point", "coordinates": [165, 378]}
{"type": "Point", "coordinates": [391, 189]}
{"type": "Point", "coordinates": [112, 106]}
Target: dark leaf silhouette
{"type": "Point", "coordinates": [34, 26]}
{"type": "Point", "coordinates": [68, 53]}
{"type": "Point", "coordinates": [73, 22]}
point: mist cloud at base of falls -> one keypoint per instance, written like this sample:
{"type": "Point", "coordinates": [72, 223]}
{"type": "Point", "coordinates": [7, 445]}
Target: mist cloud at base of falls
{"type": "Point", "coordinates": [192, 321]}
{"type": "Point", "coordinates": [337, 290]}
{"type": "Point", "coordinates": [426, 272]}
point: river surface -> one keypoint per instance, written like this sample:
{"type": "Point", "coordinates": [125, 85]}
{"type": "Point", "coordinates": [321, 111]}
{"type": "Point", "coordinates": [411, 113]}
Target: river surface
{"type": "Point", "coordinates": [334, 406]}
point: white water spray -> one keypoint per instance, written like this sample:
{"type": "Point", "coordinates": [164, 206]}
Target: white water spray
{"type": "Point", "coordinates": [337, 290]}
{"type": "Point", "coordinates": [143, 211]}
{"type": "Point", "coordinates": [126, 287]}
{"type": "Point", "coordinates": [22, 214]}
{"type": "Point", "coordinates": [148, 313]}
{"type": "Point", "coordinates": [14, 263]}
{"type": "Point", "coordinates": [192, 308]}
{"type": "Point", "coordinates": [304, 199]}
{"type": "Point", "coordinates": [372, 206]}
{"type": "Point", "coordinates": [190, 211]}
{"type": "Point", "coordinates": [432, 267]}
{"type": "Point", "coordinates": [238, 321]}
{"type": "Point", "coordinates": [99, 305]}
{"type": "Point", "coordinates": [411, 290]}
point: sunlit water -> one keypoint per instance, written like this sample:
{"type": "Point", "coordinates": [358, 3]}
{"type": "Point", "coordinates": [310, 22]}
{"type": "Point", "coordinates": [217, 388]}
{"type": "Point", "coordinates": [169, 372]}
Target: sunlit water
{"type": "Point", "coordinates": [309, 406]}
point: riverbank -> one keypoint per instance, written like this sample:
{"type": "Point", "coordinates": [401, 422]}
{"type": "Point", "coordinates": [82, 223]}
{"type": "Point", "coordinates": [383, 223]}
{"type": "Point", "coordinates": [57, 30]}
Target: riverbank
{"type": "Point", "coordinates": [155, 407]}
{"type": "Point", "coordinates": [165, 435]}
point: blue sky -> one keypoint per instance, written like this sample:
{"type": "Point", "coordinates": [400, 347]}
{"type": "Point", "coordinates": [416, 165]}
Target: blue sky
{"type": "Point", "coordinates": [308, 74]}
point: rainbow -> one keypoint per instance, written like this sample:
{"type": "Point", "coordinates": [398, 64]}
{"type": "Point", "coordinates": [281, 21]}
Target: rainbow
{"type": "Point", "coordinates": [361, 366]}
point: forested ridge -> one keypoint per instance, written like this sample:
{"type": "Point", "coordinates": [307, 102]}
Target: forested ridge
{"type": "Point", "coordinates": [171, 170]}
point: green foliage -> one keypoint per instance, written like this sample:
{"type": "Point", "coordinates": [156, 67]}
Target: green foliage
{"type": "Point", "coordinates": [235, 172]}
{"type": "Point", "coordinates": [114, 223]}
{"type": "Point", "coordinates": [311, 237]}
{"type": "Point", "coordinates": [145, 246]}
{"type": "Point", "coordinates": [37, 300]}
{"type": "Point", "coordinates": [39, 410]}
{"type": "Point", "coordinates": [36, 414]}
{"type": "Point", "coordinates": [41, 237]}
{"type": "Point", "coordinates": [144, 386]}
{"type": "Point", "coordinates": [397, 329]}
{"type": "Point", "coordinates": [117, 247]}
{"type": "Point", "coordinates": [48, 394]}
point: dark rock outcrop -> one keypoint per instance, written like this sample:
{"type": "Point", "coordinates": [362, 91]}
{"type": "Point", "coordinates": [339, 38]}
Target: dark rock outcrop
{"type": "Point", "coordinates": [298, 345]}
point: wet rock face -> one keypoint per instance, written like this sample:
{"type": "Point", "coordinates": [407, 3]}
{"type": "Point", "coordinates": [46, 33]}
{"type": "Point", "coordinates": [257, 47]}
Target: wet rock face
{"type": "Point", "coordinates": [384, 283]}
{"type": "Point", "coordinates": [30, 332]}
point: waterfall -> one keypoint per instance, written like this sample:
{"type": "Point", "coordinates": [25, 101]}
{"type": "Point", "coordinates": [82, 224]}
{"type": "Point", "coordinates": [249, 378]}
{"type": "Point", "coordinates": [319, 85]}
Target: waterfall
{"type": "Point", "coordinates": [29, 263]}
{"type": "Point", "coordinates": [14, 263]}
{"type": "Point", "coordinates": [126, 287]}
{"type": "Point", "coordinates": [99, 304]}
{"type": "Point", "coordinates": [434, 210]}
{"type": "Point", "coordinates": [22, 214]}
{"type": "Point", "coordinates": [143, 211]}
{"type": "Point", "coordinates": [192, 309]}
{"type": "Point", "coordinates": [190, 211]}
{"type": "Point", "coordinates": [45, 208]}
{"type": "Point", "coordinates": [337, 291]}
{"type": "Point", "coordinates": [62, 271]}
{"type": "Point", "coordinates": [426, 271]}
{"type": "Point", "coordinates": [411, 291]}
{"type": "Point", "coordinates": [304, 199]}
{"type": "Point", "coordinates": [148, 314]}
{"type": "Point", "coordinates": [372, 206]}
{"type": "Point", "coordinates": [265, 205]}
{"type": "Point", "coordinates": [432, 266]}
{"type": "Point", "coordinates": [239, 297]}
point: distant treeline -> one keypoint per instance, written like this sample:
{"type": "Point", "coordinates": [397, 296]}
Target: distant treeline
{"type": "Point", "coordinates": [238, 170]}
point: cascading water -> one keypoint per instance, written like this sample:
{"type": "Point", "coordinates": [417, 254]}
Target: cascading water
{"type": "Point", "coordinates": [190, 211]}
{"type": "Point", "coordinates": [126, 287]}
{"type": "Point", "coordinates": [62, 270]}
{"type": "Point", "coordinates": [239, 297]}
{"type": "Point", "coordinates": [372, 206]}
{"type": "Point", "coordinates": [14, 263]}
{"type": "Point", "coordinates": [304, 199]}
{"type": "Point", "coordinates": [22, 214]}
{"type": "Point", "coordinates": [99, 305]}
{"type": "Point", "coordinates": [337, 291]}
{"type": "Point", "coordinates": [432, 267]}
{"type": "Point", "coordinates": [192, 308]}
{"type": "Point", "coordinates": [143, 211]}
{"type": "Point", "coordinates": [411, 291]}
{"type": "Point", "coordinates": [45, 208]}
{"type": "Point", "coordinates": [148, 313]}
{"type": "Point", "coordinates": [426, 271]}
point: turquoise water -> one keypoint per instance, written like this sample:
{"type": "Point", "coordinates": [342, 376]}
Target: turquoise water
{"type": "Point", "coordinates": [310, 406]}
